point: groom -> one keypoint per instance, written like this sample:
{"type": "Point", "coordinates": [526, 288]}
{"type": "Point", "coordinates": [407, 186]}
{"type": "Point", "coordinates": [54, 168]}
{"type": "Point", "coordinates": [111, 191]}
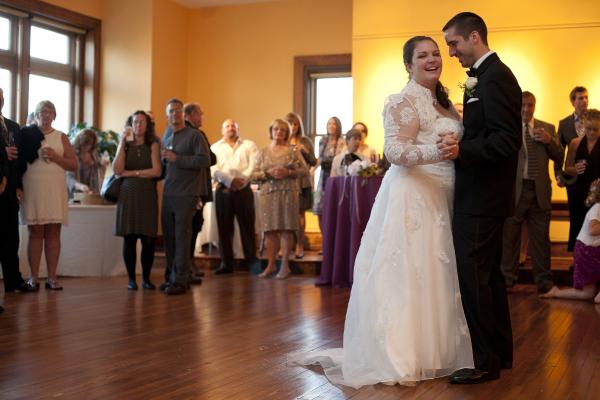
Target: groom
{"type": "Point", "coordinates": [486, 163]}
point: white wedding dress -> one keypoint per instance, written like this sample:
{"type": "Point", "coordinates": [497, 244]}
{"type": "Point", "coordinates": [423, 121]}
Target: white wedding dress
{"type": "Point", "coordinates": [405, 321]}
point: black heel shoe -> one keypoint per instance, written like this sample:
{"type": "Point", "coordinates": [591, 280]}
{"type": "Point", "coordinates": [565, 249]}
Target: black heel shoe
{"type": "Point", "coordinates": [132, 285]}
{"type": "Point", "coordinates": [147, 285]}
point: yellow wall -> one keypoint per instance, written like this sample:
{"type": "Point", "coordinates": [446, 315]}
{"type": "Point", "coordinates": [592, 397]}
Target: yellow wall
{"type": "Point", "coordinates": [241, 58]}
{"type": "Point", "coordinates": [126, 60]}
{"type": "Point", "coordinates": [126, 50]}
{"type": "Point", "coordinates": [169, 60]}
{"type": "Point", "coordinates": [550, 48]}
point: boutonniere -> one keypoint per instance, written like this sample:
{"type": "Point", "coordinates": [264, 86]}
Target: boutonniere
{"type": "Point", "coordinates": [469, 86]}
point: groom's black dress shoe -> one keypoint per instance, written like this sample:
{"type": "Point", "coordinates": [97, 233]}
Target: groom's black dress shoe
{"type": "Point", "coordinates": [467, 376]}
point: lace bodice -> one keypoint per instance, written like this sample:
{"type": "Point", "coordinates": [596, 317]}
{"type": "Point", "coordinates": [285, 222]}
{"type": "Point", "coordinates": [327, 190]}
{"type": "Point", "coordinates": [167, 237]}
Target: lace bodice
{"type": "Point", "coordinates": [412, 127]}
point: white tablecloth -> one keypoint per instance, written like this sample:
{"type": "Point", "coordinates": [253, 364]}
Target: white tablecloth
{"type": "Point", "coordinates": [210, 232]}
{"type": "Point", "coordinates": [89, 246]}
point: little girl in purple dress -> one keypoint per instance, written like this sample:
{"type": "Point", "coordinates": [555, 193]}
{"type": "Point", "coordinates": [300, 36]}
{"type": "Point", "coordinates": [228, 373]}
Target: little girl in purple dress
{"type": "Point", "coordinates": [586, 255]}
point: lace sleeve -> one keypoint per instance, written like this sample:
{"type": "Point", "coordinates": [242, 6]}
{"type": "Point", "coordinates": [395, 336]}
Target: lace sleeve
{"type": "Point", "coordinates": [401, 124]}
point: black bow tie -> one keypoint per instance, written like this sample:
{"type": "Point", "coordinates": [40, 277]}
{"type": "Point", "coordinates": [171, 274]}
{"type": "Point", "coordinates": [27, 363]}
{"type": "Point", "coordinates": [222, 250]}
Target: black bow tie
{"type": "Point", "coordinates": [472, 72]}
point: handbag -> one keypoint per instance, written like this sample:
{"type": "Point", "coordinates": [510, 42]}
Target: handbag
{"type": "Point", "coordinates": [111, 188]}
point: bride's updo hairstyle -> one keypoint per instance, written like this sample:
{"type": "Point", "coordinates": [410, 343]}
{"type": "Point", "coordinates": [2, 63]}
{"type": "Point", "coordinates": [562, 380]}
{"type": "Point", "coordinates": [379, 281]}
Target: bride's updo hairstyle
{"type": "Point", "coordinates": [441, 94]}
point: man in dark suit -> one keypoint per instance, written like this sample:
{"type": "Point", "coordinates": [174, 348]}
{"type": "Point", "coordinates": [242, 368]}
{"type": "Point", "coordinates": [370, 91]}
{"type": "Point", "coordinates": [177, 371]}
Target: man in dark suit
{"type": "Point", "coordinates": [9, 206]}
{"type": "Point", "coordinates": [533, 190]}
{"type": "Point", "coordinates": [3, 183]}
{"type": "Point", "coordinates": [193, 118]}
{"type": "Point", "coordinates": [485, 164]}
{"type": "Point", "coordinates": [571, 126]}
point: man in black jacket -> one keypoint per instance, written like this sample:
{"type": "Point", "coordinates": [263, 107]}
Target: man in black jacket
{"type": "Point", "coordinates": [486, 164]}
{"type": "Point", "coordinates": [9, 206]}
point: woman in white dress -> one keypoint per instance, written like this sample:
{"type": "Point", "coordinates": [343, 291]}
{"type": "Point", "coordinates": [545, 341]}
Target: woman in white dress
{"type": "Point", "coordinates": [405, 321]}
{"type": "Point", "coordinates": [44, 207]}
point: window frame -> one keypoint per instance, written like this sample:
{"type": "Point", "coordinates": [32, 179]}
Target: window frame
{"type": "Point", "coordinates": [307, 69]}
{"type": "Point", "coordinates": [83, 71]}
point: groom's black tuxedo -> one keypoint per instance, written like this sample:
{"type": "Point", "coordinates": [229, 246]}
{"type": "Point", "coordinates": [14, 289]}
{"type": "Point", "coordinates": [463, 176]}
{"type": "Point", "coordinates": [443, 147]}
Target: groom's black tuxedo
{"type": "Point", "coordinates": [487, 163]}
{"type": "Point", "coordinates": [484, 196]}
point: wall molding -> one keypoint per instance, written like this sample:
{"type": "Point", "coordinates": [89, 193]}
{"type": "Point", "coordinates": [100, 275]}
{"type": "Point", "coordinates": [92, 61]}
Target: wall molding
{"type": "Point", "coordinates": [518, 28]}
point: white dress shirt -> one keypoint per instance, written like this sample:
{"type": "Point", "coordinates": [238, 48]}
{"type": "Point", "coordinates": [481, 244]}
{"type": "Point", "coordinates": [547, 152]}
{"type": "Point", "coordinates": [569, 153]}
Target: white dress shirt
{"type": "Point", "coordinates": [482, 58]}
{"type": "Point", "coordinates": [236, 161]}
{"type": "Point", "coordinates": [584, 235]}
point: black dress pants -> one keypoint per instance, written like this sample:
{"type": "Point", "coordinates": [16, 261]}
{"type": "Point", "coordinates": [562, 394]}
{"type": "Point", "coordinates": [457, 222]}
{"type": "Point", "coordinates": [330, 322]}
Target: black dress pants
{"type": "Point", "coordinates": [197, 223]}
{"type": "Point", "coordinates": [9, 246]}
{"type": "Point", "coordinates": [240, 205]}
{"type": "Point", "coordinates": [478, 247]}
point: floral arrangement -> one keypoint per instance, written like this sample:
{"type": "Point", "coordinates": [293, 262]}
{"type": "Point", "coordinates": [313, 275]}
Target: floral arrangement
{"type": "Point", "coordinates": [469, 86]}
{"type": "Point", "coordinates": [364, 168]}
{"type": "Point", "coordinates": [108, 141]}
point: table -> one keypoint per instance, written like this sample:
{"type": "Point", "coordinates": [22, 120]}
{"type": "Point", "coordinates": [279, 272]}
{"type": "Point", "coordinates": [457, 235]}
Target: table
{"type": "Point", "coordinates": [210, 232]}
{"type": "Point", "coordinates": [89, 246]}
{"type": "Point", "coordinates": [346, 211]}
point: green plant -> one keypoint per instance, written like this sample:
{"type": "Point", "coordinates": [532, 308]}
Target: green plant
{"type": "Point", "coordinates": [108, 141]}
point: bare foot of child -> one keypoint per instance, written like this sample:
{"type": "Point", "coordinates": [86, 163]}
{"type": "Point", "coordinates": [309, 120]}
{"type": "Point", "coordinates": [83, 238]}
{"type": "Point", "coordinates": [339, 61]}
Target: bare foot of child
{"type": "Point", "coordinates": [550, 293]}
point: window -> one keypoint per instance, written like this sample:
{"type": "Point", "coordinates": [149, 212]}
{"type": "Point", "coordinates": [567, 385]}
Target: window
{"type": "Point", "coordinates": [333, 97]}
{"type": "Point", "coordinates": [323, 89]}
{"type": "Point", "coordinates": [326, 72]}
{"type": "Point", "coordinates": [49, 53]}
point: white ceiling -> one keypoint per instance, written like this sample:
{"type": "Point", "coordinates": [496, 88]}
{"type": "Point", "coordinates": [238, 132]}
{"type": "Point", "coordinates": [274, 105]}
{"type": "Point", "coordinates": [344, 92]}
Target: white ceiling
{"type": "Point", "coordinates": [214, 3]}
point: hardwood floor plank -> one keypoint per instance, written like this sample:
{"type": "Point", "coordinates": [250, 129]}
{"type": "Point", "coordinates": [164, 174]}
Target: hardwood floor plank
{"type": "Point", "coordinates": [230, 337]}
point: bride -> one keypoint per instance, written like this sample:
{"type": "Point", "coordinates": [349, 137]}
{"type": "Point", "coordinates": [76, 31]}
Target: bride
{"type": "Point", "coordinates": [405, 321]}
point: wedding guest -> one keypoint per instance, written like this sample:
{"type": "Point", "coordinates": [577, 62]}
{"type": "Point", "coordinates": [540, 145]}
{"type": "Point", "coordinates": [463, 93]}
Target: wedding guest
{"type": "Point", "coordinates": [233, 196]}
{"type": "Point", "coordinates": [3, 183]}
{"type": "Point", "coordinates": [30, 119]}
{"type": "Point", "coordinates": [277, 168]}
{"type": "Point", "coordinates": [533, 198]}
{"type": "Point", "coordinates": [300, 141]}
{"type": "Point", "coordinates": [48, 154]}
{"type": "Point", "coordinates": [137, 162]}
{"type": "Point", "coordinates": [569, 128]}
{"type": "Point", "coordinates": [586, 274]}
{"type": "Point", "coordinates": [366, 152]}
{"type": "Point", "coordinates": [186, 156]}
{"type": "Point", "coordinates": [10, 139]}
{"type": "Point", "coordinates": [194, 116]}
{"type": "Point", "coordinates": [329, 147]}
{"type": "Point", "coordinates": [351, 153]}
{"type": "Point", "coordinates": [582, 162]}
{"type": "Point", "coordinates": [89, 175]}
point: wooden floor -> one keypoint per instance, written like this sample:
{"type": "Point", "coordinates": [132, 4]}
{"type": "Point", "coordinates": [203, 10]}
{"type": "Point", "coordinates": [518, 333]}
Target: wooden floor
{"type": "Point", "coordinates": [228, 339]}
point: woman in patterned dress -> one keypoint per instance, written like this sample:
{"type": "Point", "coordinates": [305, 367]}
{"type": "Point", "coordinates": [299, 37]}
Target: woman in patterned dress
{"type": "Point", "coordinates": [278, 167]}
{"type": "Point", "coordinates": [90, 173]}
